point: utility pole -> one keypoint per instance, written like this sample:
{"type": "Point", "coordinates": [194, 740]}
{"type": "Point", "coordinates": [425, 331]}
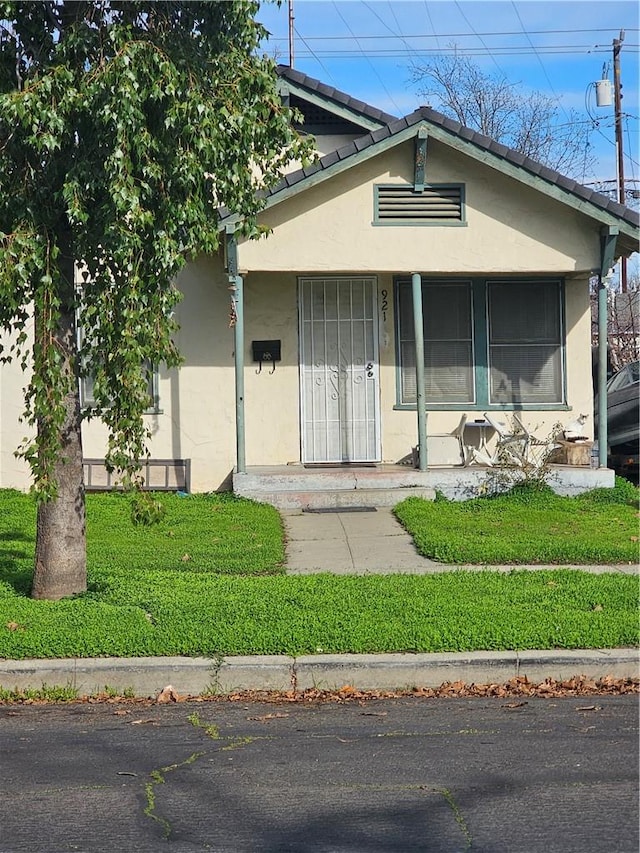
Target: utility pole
{"type": "Point", "coordinates": [291, 18]}
{"type": "Point", "coordinates": [617, 94]}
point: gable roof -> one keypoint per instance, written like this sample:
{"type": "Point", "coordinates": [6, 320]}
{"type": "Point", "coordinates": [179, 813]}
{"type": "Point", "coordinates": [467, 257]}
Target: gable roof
{"type": "Point", "coordinates": [332, 100]}
{"type": "Point", "coordinates": [469, 142]}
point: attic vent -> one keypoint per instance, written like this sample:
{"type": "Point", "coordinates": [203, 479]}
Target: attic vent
{"type": "Point", "coordinates": [320, 121]}
{"type": "Point", "coordinates": [437, 203]}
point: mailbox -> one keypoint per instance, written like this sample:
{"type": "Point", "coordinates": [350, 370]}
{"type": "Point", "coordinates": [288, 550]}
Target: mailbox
{"type": "Point", "coordinates": [266, 351]}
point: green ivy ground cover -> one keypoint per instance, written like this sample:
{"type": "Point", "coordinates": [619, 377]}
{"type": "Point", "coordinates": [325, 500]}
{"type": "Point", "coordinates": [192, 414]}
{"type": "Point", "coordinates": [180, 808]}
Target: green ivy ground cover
{"type": "Point", "coordinates": [162, 613]}
{"type": "Point", "coordinates": [145, 599]}
{"type": "Point", "coordinates": [528, 526]}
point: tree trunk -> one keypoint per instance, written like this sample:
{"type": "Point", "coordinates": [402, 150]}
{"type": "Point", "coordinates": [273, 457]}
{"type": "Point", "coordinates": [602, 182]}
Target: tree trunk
{"type": "Point", "coordinates": [60, 560]}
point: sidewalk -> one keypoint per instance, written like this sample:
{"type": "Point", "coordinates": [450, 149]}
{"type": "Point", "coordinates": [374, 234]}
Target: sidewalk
{"type": "Point", "coordinates": [372, 542]}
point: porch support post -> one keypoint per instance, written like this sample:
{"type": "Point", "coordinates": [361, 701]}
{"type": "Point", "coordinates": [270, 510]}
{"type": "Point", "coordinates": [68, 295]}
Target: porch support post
{"type": "Point", "coordinates": [608, 244]}
{"type": "Point", "coordinates": [416, 290]}
{"type": "Point", "coordinates": [236, 286]}
{"type": "Point", "coordinates": [238, 338]}
{"type": "Point", "coordinates": [602, 374]}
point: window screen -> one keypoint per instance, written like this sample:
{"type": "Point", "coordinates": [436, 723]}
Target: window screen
{"type": "Point", "coordinates": [525, 342]}
{"type": "Point", "coordinates": [448, 342]}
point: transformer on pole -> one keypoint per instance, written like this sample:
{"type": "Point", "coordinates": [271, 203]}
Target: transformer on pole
{"type": "Point", "coordinates": [603, 99]}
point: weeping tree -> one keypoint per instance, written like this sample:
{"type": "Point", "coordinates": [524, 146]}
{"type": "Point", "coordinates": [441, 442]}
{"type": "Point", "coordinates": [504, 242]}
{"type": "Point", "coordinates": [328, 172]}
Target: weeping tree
{"type": "Point", "coordinates": [527, 121]}
{"type": "Point", "coordinates": [123, 126]}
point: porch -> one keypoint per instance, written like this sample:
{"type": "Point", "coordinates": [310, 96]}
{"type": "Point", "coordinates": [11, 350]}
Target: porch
{"type": "Point", "coordinates": [292, 487]}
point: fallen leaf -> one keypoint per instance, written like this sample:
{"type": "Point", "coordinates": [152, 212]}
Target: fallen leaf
{"type": "Point", "coordinates": [598, 608]}
{"type": "Point", "coordinates": [589, 708]}
{"type": "Point", "coordinates": [142, 722]}
{"type": "Point", "coordinates": [121, 712]}
{"type": "Point", "coordinates": [185, 558]}
{"type": "Point", "coordinates": [167, 694]}
{"type": "Point", "coordinates": [14, 626]}
{"type": "Point", "coordinates": [512, 705]}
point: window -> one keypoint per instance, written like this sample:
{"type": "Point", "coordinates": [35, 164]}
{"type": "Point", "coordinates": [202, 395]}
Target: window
{"type": "Point", "coordinates": [448, 342]}
{"type": "Point", "coordinates": [486, 342]}
{"type": "Point", "coordinates": [436, 204]}
{"type": "Point", "coordinates": [525, 342]}
{"type": "Point", "coordinates": [87, 400]}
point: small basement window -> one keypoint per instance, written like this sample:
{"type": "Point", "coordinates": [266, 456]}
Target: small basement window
{"type": "Point", "coordinates": [436, 204]}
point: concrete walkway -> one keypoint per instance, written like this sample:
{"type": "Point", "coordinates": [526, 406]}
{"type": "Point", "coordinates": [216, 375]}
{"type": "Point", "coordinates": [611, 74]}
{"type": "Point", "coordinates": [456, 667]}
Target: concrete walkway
{"type": "Point", "coordinates": [348, 542]}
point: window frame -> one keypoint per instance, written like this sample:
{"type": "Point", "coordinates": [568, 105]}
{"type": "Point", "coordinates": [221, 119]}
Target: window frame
{"type": "Point", "coordinates": [480, 343]}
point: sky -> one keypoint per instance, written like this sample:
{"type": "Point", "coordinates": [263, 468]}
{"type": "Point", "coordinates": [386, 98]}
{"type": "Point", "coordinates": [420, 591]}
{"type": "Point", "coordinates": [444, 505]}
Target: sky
{"type": "Point", "coordinates": [368, 48]}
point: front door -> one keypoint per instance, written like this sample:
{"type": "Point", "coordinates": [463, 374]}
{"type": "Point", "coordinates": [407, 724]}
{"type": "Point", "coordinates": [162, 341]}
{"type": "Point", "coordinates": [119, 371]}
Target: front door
{"type": "Point", "coordinates": [339, 374]}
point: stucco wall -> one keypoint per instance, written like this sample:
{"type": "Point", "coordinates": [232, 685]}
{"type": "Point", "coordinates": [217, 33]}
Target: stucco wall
{"type": "Point", "coordinates": [13, 472]}
{"type": "Point", "coordinates": [510, 228]}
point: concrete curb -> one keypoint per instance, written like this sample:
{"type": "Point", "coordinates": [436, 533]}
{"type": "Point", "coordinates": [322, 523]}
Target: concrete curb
{"type": "Point", "coordinates": [194, 676]}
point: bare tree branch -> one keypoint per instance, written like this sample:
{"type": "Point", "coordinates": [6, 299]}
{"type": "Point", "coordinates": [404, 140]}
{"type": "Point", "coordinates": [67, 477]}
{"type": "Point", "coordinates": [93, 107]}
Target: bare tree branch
{"type": "Point", "coordinates": [528, 122]}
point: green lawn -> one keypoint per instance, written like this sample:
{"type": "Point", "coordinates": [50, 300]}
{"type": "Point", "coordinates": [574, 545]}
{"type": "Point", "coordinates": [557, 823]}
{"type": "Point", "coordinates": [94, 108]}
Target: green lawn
{"type": "Point", "coordinates": [199, 533]}
{"type": "Point", "coordinates": [145, 598]}
{"type": "Point", "coordinates": [528, 527]}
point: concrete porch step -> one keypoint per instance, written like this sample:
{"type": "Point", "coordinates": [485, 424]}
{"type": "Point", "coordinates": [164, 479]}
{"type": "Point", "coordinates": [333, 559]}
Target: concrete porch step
{"type": "Point", "coordinates": [336, 498]}
{"type": "Point", "coordinates": [297, 487]}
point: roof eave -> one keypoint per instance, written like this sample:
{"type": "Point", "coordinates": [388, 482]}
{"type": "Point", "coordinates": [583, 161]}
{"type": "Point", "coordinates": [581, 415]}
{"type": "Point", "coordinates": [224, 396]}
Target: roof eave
{"type": "Point", "coordinates": [333, 100]}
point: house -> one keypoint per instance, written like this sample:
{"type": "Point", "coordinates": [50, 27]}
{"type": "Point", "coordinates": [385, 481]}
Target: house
{"type": "Point", "coordinates": [300, 348]}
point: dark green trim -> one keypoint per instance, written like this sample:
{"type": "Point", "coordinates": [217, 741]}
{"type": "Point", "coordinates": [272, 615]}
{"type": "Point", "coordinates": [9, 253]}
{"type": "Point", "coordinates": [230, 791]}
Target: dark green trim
{"type": "Point", "coordinates": [420, 161]}
{"type": "Point", "coordinates": [608, 239]}
{"type": "Point", "coordinates": [285, 92]}
{"type": "Point", "coordinates": [413, 223]}
{"type": "Point", "coordinates": [489, 407]}
{"type": "Point", "coordinates": [480, 316]}
{"type": "Point", "coordinates": [496, 161]}
{"type": "Point", "coordinates": [603, 427]}
{"type": "Point", "coordinates": [231, 253]}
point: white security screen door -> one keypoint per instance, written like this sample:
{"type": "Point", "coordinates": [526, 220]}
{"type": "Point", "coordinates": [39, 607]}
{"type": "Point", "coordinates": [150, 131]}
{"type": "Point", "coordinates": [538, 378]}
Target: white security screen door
{"type": "Point", "coordinates": [339, 372]}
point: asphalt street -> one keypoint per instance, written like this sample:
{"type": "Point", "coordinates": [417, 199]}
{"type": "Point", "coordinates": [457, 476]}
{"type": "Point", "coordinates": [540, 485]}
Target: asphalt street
{"type": "Point", "coordinates": [393, 775]}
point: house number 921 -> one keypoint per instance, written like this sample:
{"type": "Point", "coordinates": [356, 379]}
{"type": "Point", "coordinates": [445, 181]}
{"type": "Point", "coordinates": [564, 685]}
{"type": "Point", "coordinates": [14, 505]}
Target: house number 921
{"type": "Point", "coordinates": [385, 304]}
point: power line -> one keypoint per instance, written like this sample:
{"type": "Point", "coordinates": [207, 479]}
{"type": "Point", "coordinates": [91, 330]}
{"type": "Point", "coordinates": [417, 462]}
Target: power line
{"type": "Point", "coordinates": [371, 65]}
{"type": "Point", "coordinates": [437, 36]}
{"type": "Point", "coordinates": [315, 56]}
{"type": "Point", "coordinates": [384, 24]}
{"type": "Point", "coordinates": [540, 62]}
{"type": "Point", "coordinates": [401, 53]}
{"type": "Point", "coordinates": [426, 5]}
